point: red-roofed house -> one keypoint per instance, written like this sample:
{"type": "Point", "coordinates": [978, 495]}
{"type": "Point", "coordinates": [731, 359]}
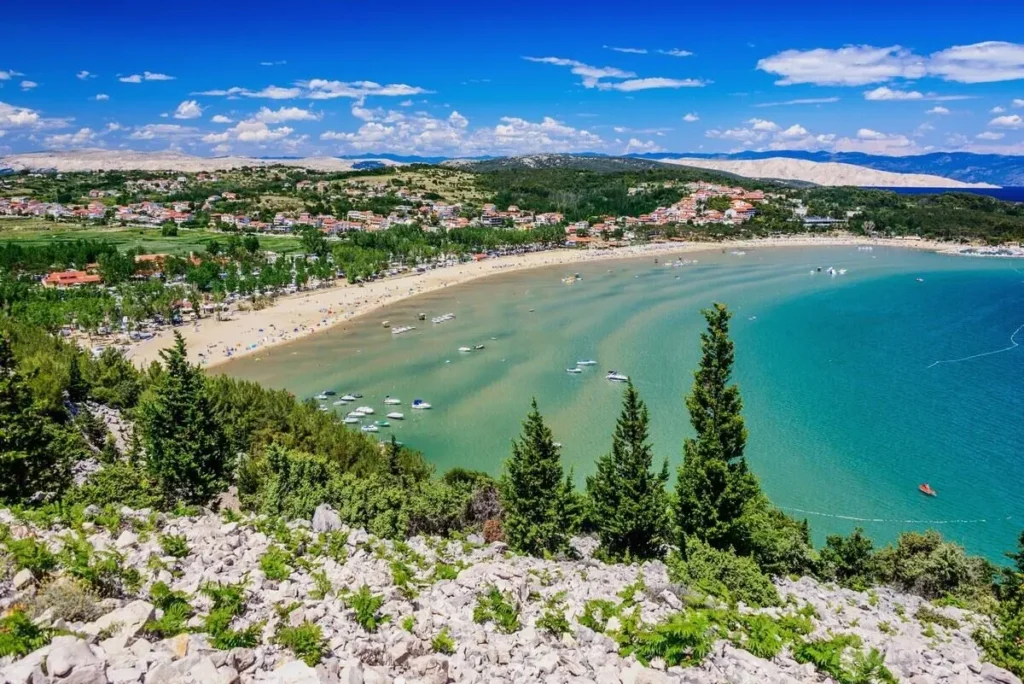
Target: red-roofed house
{"type": "Point", "coordinates": [71, 278]}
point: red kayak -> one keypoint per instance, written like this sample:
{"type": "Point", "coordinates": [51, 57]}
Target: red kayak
{"type": "Point", "coordinates": [927, 490]}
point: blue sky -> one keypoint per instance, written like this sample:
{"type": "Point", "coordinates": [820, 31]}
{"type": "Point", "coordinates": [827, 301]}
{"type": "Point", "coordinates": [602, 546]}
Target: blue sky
{"type": "Point", "coordinates": [462, 79]}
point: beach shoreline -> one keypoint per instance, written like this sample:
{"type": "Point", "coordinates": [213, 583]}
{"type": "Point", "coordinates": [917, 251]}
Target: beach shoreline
{"type": "Point", "coordinates": [212, 343]}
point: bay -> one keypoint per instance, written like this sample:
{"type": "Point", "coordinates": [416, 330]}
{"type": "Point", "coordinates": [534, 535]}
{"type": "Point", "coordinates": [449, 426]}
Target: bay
{"type": "Point", "coordinates": [847, 409]}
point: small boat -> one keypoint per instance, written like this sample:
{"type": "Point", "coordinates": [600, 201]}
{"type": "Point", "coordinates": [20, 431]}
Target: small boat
{"type": "Point", "coordinates": [575, 370]}
{"type": "Point", "coordinates": [348, 397]}
{"type": "Point", "coordinates": [350, 421]}
{"type": "Point", "coordinates": [395, 415]}
{"type": "Point", "coordinates": [842, 271]}
{"type": "Point", "coordinates": [587, 362]}
{"type": "Point", "coordinates": [356, 414]}
{"type": "Point", "coordinates": [920, 280]}
{"type": "Point", "coordinates": [320, 397]}
{"type": "Point", "coordinates": [422, 316]}
{"type": "Point", "coordinates": [615, 376]}
{"type": "Point", "coordinates": [370, 428]}
{"type": "Point", "coordinates": [402, 329]}
{"type": "Point", "coordinates": [328, 393]}
{"type": "Point", "coordinates": [339, 402]}
{"type": "Point", "coordinates": [442, 319]}
{"type": "Point", "coordinates": [465, 349]}
{"type": "Point", "coordinates": [392, 401]}
{"type": "Point", "coordinates": [386, 324]}
{"type": "Point", "coordinates": [478, 347]}
{"type": "Point", "coordinates": [365, 410]}
{"type": "Point", "coordinates": [557, 445]}
{"type": "Point", "coordinates": [357, 395]}
{"type": "Point", "coordinates": [383, 423]}
{"type": "Point", "coordinates": [324, 409]}
{"type": "Point", "coordinates": [420, 404]}
{"type": "Point", "coordinates": [927, 490]}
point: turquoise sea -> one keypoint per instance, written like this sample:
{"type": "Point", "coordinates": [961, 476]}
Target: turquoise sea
{"type": "Point", "coordinates": [847, 409]}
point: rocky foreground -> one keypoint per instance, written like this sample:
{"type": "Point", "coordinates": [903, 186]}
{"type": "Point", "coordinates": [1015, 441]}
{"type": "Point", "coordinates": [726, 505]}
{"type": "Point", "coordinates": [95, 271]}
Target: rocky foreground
{"type": "Point", "coordinates": [424, 630]}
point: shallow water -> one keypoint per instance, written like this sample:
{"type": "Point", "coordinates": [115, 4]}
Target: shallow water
{"type": "Point", "coordinates": [847, 411]}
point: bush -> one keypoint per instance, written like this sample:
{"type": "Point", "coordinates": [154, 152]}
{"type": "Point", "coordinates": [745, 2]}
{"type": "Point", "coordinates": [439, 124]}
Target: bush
{"type": "Point", "coordinates": [493, 606]}
{"type": "Point", "coordinates": [32, 555]}
{"type": "Point", "coordinates": [849, 560]}
{"type": "Point", "coordinates": [684, 639]}
{"type": "Point", "coordinates": [20, 636]}
{"type": "Point", "coordinates": [492, 531]}
{"type": "Point", "coordinates": [926, 565]}
{"type": "Point", "coordinates": [104, 571]}
{"type": "Point", "coordinates": [596, 613]}
{"type": "Point", "coordinates": [228, 603]}
{"type": "Point", "coordinates": [367, 606]}
{"type": "Point", "coordinates": [306, 641]}
{"type": "Point", "coordinates": [553, 619]}
{"type": "Point", "coordinates": [174, 545]}
{"type": "Point", "coordinates": [118, 484]}
{"type": "Point", "coordinates": [176, 612]}
{"type": "Point", "coordinates": [927, 614]}
{"type": "Point", "coordinates": [722, 574]}
{"type": "Point", "coordinates": [274, 564]}
{"type": "Point", "coordinates": [69, 600]}
{"type": "Point", "coordinates": [443, 642]}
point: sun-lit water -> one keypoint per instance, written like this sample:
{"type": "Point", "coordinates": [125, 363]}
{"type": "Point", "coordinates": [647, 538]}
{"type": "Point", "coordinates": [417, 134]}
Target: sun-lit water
{"type": "Point", "coordinates": [847, 411]}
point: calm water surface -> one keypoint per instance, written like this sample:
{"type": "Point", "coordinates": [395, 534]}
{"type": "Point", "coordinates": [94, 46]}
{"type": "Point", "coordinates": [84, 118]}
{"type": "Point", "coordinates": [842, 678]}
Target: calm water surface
{"type": "Point", "coordinates": [847, 412]}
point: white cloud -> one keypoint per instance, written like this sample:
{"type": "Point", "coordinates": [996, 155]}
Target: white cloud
{"type": "Point", "coordinates": [997, 110]}
{"type": "Point", "coordinates": [28, 85]}
{"type": "Point", "coordinates": [922, 129]}
{"type": "Point", "coordinates": [114, 126]}
{"type": "Point", "coordinates": [257, 131]}
{"type": "Point", "coordinates": [593, 77]}
{"type": "Point", "coordinates": [82, 137]}
{"type": "Point", "coordinates": [628, 50]}
{"type": "Point", "coordinates": [691, 117]}
{"type": "Point", "coordinates": [283, 114]}
{"type": "Point", "coordinates": [457, 120]}
{"type": "Point", "coordinates": [883, 93]}
{"type": "Point", "coordinates": [221, 119]}
{"type": "Point", "coordinates": [1017, 102]}
{"type": "Point", "coordinates": [321, 89]}
{"type": "Point", "coordinates": [937, 110]}
{"type": "Point", "coordinates": [164, 131]}
{"type": "Point", "coordinates": [874, 142]}
{"type": "Point", "coordinates": [189, 109]}
{"type": "Point", "coordinates": [1007, 121]}
{"type": "Point", "coordinates": [854, 65]}
{"type": "Point", "coordinates": [800, 101]}
{"type": "Point", "coordinates": [984, 62]}
{"type": "Point", "coordinates": [849, 66]}
{"type": "Point", "coordinates": [676, 52]}
{"type": "Point", "coordinates": [271, 92]}
{"type": "Point", "coordinates": [145, 76]}
{"type": "Point", "coordinates": [868, 134]}
{"type": "Point", "coordinates": [100, 97]}
{"type": "Point", "coordinates": [216, 137]}
{"type": "Point", "coordinates": [634, 145]}
{"type": "Point", "coordinates": [274, 63]}
{"type": "Point", "coordinates": [763, 125]}
{"type": "Point", "coordinates": [18, 117]}
{"type": "Point", "coordinates": [794, 132]}
{"type": "Point", "coordinates": [83, 74]}
{"type": "Point", "coordinates": [9, 74]}
{"type": "Point", "coordinates": [990, 135]}
{"type": "Point", "coordinates": [405, 103]}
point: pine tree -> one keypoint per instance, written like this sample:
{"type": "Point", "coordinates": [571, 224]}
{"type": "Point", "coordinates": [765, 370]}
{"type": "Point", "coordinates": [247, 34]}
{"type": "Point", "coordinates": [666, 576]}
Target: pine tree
{"type": "Point", "coordinates": [78, 390]}
{"type": "Point", "coordinates": [535, 492]}
{"type": "Point", "coordinates": [30, 462]}
{"type": "Point", "coordinates": [630, 508]}
{"type": "Point", "coordinates": [187, 451]}
{"type": "Point", "coordinates": [714, 484]}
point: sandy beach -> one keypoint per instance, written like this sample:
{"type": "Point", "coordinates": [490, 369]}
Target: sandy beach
{"type": "Point", "coordinates": [212, 342]}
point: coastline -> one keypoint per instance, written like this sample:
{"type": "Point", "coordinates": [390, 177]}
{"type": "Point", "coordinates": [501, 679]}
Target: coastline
{"type": "Point", "coordinates": [294, 317]}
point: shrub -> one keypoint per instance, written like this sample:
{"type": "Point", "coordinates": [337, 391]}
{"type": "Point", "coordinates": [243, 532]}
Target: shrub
{"type": "Point", "coordinates": [493, 606]}
{"type": "Point", "coordinates": [174, 545]}
{"type": "Point", "coordinates": [32, 555]}
{"type": "Point", "coordinates": [553, 619]}
{"type": "Point", "coordinates": [722, 574]}
{"type": "Point", "coordinates": [924, 564]}
{"type": "Point", "coordinates": [69, 600]}
{"type": "Point", "coordinates": [443, 642]}
{"type": "Point", "coordinates": [306, 641]}
{"type": "Point", "coordinates": [826, 654]}
{"type": "Point", "coordinates": [274, 564]}
{"type": "Point", "coordinates": [926, 614]}
{"type": "Point", "coordinates": [683, 639]}
{"type": "Point", "coordinates": [596, 613]}
{"type": "Point", "coordinates": [849, 560]}
{"type": "Point", "coordinates": [176, 611]}
{"type": "Point", "coordinates": [445, 571]}
{"type": "Point", "coordinates": [104, 571]}
{"type": "Point", "coordinates": [409, 623]}
{"type": "Point", "coordinates": [20, 636]}
{"type": "Point", "coordinates": [367, 606]}
{"type": "Point", "coordinates": [493, 532]}
{"type": "Point", "coordinates": [117, 484]}
{"type": "Point", "coordinates": [228, 603]}
{"type": "Point", "coordinates": [321, 585]}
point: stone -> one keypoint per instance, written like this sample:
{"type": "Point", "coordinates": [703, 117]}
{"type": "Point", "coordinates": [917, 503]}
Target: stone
{"type": "Point", "coordinates": [431, 669]}
{"type": "Point", "coordinates": [126, 540]}
{"type": "Point", "coordinates": [326, 519]}
{"type": "Point", "coordinates": [991, 673]}
{"type": "Point", "coordinates": [68, 653]}
{"type": "Point", "coordinates": [399, 653]}
{"type": "Point", "coordinates": [295, 672]}
{"type": "Point", "coordinates": [123, 675]}
{"type": "Point", "coordinates": [23, 578]}
{"type": "Point", "coordinates": [164, 673]}
{"type": "Point", "coordinates": [607, 675]}
{"type": "Point", "coordinates": [242, 659]}
{"type": "Point", "coordinates": [547, 663]}
{"type": "Point", "coordinates": [93, 674]}
{"type": "Point", "coordinates": [129, 618]}
{"type": "Point", "coordinates": [351, 674]}
{"type": "Point", "coordinates": [375, 676]}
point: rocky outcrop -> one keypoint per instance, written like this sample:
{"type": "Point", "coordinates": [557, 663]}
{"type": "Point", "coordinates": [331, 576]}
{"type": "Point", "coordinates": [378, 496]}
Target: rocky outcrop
{"type": "Point", "coordinates": [428, 585]}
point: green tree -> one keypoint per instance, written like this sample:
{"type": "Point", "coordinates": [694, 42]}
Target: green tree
{"type": "Point", "coordinates": [187, 450]}
{"type": "Point", "coordinates": [714, 484]}
{"type": "Point", "coordinates": [535, 492]}
{"type": "Point", "coordinates": [78, 389]}
{"type": "Point", "coordinates": [849, 560]}
{"type": "Point", "coordinates": [30, 460]}
{"type": "Point", "coordinates": [629, 505]}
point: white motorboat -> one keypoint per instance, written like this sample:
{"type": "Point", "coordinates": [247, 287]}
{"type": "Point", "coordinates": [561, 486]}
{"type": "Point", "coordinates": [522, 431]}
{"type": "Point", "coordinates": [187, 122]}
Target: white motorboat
{"type": "Point", "coordinates": [575, 370]}
{"type": "Point", "coordinates": [615, 376]}
{"type": "Point", "coordinates": [324, 409]}
{"type": "Point", "coordinates": [348, 397]}
{"type": "Point", "coordinates": [350, 421]}
{"type": "Point", "coordinates": [392, 401]}
{"type": "Point", "coordinates": [587, 362]}
{"type": "Point", "coordinates": [395, 415]}
{"type": "Point", "coordinates": [420, 404]}
{"type": "Point", "coordinates": [321, 397]}
{"type": "Point", "coordinates": [465, 350]}
{"type": "Point", "coordinates": [365, 410]}
{"type": "Point", "coordinates": [478, 347]}
{"type": "Point", "coordinates": [356, 414]}
{"type": "Point", "coordinates": [370, 428]}
{"type": "Point", "coordinates": [402, 329]}
{"type": "Point", "coordinates": [442, 319]}
{"type": "Point", "coordinates": [339, 402]}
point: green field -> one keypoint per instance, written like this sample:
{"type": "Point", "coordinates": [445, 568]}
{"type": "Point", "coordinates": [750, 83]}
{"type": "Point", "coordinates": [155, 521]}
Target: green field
{"type": "Point", "coordinates": [33, 232]}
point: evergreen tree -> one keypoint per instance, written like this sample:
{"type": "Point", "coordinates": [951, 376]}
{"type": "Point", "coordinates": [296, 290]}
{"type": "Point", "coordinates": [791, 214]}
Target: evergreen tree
{"type": "Point", "coordinates": [30, 462]}
{"type": "Point", "coordinates": [714, 484]}
{"type": "Point", "coordinates": [187, 451]}
{"type": "Point", "coordinates": [535, 492]}
{"type": "Point", "coordinates": [629, 505]}
{"type": "Point", "coordinates": [78, 390]}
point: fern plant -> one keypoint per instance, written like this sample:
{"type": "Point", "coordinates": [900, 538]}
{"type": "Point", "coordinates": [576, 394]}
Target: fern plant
{"type": "Point", "coordinates": [19, 635]}
{"type": "Point", "coordinates": [306, 641]}
{"type": "Point", "coordinates": [443, 642]}
{"type": "Point", "coordinates": [684, 639]}
{"type": "Point", "coordinates": [367, 608]}
{"type": "Point", "coordinates": [493, 606]}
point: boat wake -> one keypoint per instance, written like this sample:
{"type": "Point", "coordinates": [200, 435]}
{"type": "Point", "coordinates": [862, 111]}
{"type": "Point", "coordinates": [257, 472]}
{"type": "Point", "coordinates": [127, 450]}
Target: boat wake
{"type": "Point", "coordinates": [1013, 345]}
{"type": "Point", "coordinates": [837, 516]}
